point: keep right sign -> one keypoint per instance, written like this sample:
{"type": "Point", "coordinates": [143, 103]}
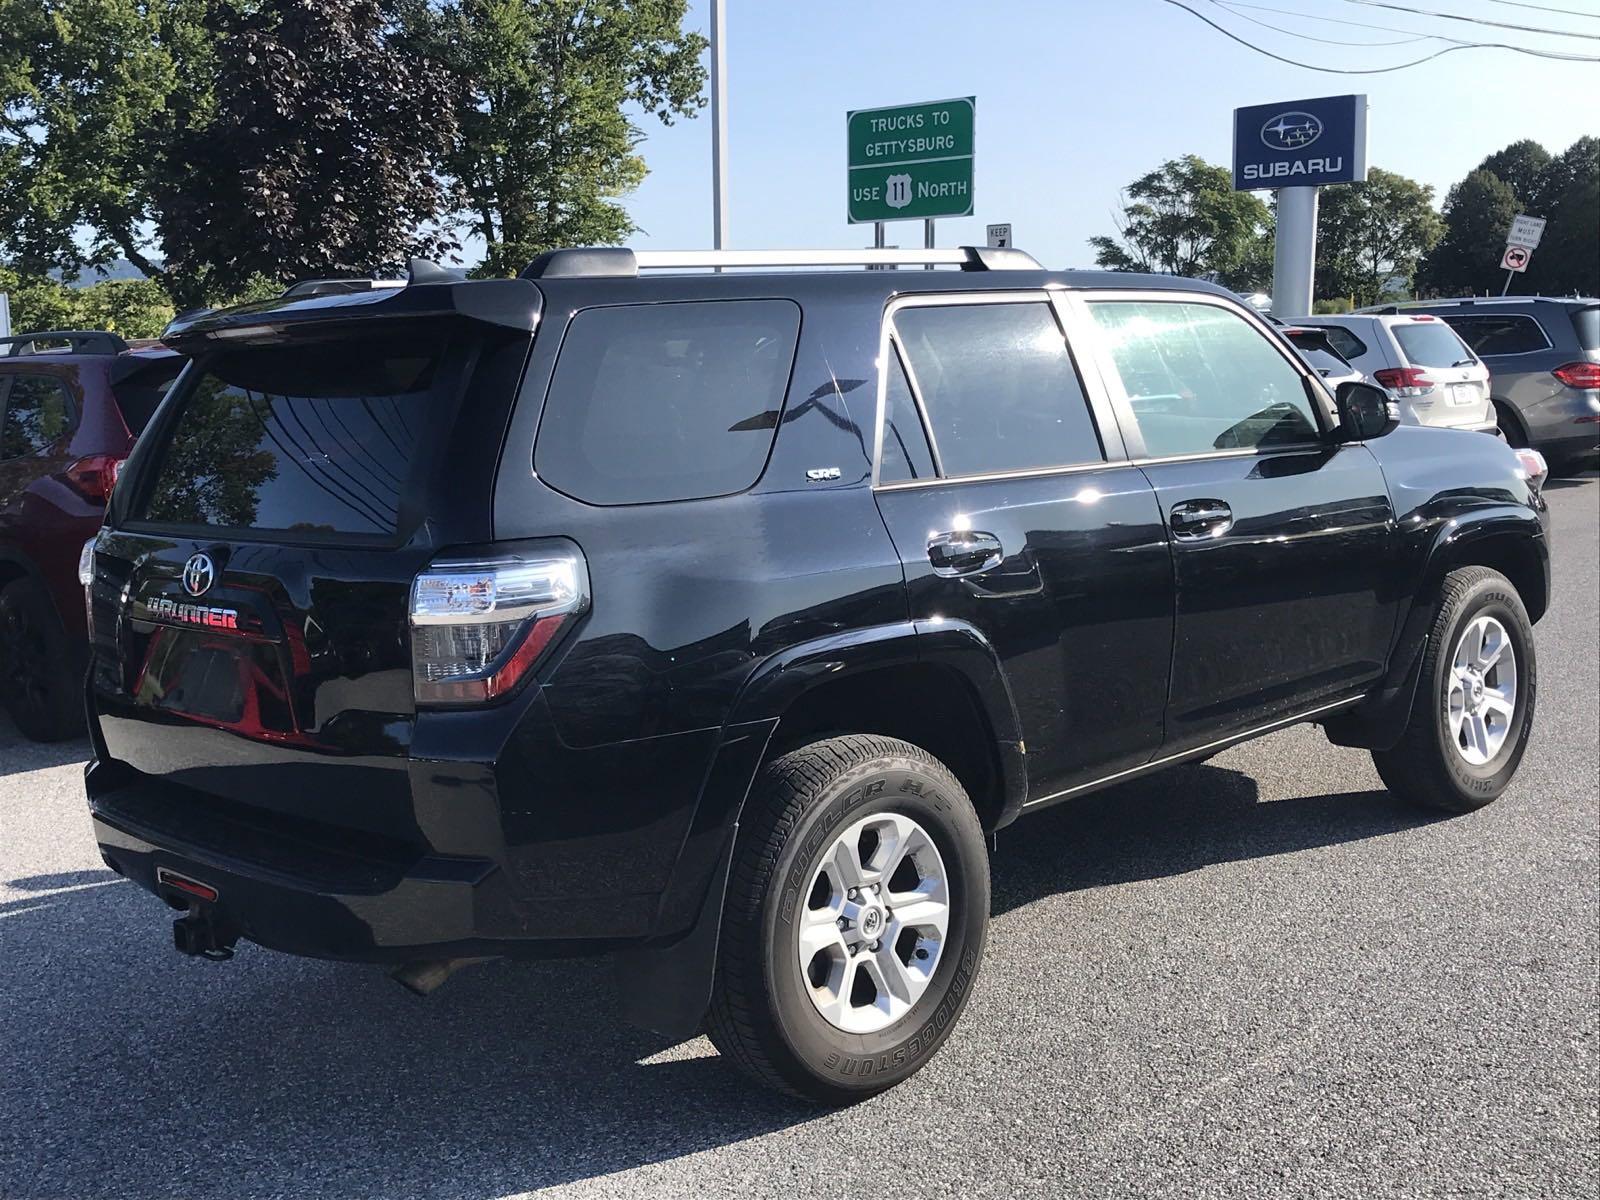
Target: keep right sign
{"type": "Point", "coordinates": [1515, 258]}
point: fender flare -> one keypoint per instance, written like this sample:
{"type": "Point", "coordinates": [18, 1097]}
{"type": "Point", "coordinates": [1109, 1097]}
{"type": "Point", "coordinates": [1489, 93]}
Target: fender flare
{"type": "Point", "coordinates": [1380, 720]}
{"type": "Point", "coordinates": [665, 983]}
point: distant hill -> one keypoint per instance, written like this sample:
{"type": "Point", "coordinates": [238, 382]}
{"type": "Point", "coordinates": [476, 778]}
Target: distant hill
{"type": "Point", "coordinates": [120, 269]}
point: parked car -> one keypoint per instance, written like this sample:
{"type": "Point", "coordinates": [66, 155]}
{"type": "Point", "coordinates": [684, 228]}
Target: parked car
{"type": "Point", "coordinates": [1317, 349]}
{"type": "Point", "coordinates": [716, 620]}
{"type": "Point", "coordinates": [1545, 355]}
{"type": "Point", "coordinates": [1431, 373]}
{"type": "Point", "coordinates": [71, 404]}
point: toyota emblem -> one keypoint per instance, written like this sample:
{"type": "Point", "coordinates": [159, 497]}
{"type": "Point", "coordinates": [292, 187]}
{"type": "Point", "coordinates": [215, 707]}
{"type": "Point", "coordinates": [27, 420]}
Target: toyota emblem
{"type": "Point", "coordinates": [198, 574]}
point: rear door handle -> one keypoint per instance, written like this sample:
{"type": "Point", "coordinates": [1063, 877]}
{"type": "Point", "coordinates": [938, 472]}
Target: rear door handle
{"type": "Point", "coordinates": [964, 552]}
{"type": "Point", "coordinates": [1195, 519]}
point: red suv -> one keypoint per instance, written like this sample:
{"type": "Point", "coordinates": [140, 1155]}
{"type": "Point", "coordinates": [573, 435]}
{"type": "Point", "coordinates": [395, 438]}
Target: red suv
{"type": "Point", "coordinates": [71, 405]}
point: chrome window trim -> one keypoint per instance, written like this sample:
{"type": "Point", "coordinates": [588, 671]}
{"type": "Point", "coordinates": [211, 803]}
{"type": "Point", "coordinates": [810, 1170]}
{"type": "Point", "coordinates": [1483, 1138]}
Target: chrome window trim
{"type": "Point", "coordinates": [889, 343]}
{"type": "Point", "coordinates": [1322, 406]}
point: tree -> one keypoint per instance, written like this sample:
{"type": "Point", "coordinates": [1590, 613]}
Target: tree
{"type": "Point", "coordinates": [1477, 216]}
{"type": "Point", "coordinates": [135, 308]}
{"type": "Point", "coordinates": [1184, 218]}
{"type": "Point", "coordinates": [1522, 165]}
{"type": "Point", "coordinates": [321, 154]}
{"type": "Point", "coordinates": [1368, 234]}
{"type": "Point", "coordinates": [544, 148]}
{"type": "Point", "coordinates": [1567, 261]}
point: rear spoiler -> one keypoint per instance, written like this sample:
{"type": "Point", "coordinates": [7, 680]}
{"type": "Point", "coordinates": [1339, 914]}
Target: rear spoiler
{"type": "Point", "coordinates": [507, 303]}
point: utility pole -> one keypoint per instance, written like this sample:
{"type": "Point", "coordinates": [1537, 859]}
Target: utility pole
{"type": "Point", "coordinates": [719, 127]}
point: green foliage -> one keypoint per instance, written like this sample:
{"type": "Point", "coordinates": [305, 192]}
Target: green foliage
{"type": "Point", "coordinates": [544, 149]}
{"type": "Point", "coordinates": [1332, 306]}
{"type": "Point", "coordinates": [1184, 218]}
{"type": "Point", "coordinates": [1522, 178]}
{"type": "Point", "coordinates": [134, 308]}
{"type": "Point", "coordinates": [1368, 234]}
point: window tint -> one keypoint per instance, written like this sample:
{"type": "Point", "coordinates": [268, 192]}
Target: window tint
{"type": "Point", "coordinates": [317, 438]}
{"type": "Point", "coordinates": [998, 386]}
{"type": "Point", "coordinates": [1490, 334]}
{"type": "Point", "coordinates": [1430, 344]}
{"type": "Point", "coordinates": [654, 402]}
{"type": "Point", "coordinates": [1586, 324]}
{"type": "Point", "coordinates": [1345, 342]}
{"type": "Point", "coordinates": [37, 415]}
{"type": "Point", "coordinates": [1199, 377]}
{"type": "Point", "coordinates": [905, 445]}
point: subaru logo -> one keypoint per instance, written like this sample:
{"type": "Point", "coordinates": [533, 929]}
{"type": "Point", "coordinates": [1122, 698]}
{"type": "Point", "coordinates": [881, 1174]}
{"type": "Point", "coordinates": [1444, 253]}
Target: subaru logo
{"type": "Point", "coordinates": [198, 574]}
{"type": "Point", "coordinates": [1291, 131]}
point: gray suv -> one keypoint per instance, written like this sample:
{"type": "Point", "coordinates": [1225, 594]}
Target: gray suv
{"type": "Point", "coordinates": [1544, 354]}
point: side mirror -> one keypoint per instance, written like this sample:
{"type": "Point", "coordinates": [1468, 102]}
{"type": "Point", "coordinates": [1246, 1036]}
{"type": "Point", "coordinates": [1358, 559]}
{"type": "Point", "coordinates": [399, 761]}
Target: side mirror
{"type": "Point", "coordinates": [1363, 412]}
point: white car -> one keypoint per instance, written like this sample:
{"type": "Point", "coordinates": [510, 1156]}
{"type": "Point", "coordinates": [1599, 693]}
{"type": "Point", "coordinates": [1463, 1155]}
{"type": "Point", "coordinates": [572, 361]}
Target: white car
{"type": "Point", "coordinates": [1431, 373]}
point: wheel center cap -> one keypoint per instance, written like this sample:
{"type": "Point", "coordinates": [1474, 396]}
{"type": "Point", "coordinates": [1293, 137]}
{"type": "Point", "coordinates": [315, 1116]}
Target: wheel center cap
{"type": "Point", "coordinates": [871, 921]}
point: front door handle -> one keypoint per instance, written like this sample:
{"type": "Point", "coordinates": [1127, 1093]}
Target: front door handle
{"type": "Point", "coordinates": [964, 552]}
{"type": "Point", "coordinates": [1196, 519]}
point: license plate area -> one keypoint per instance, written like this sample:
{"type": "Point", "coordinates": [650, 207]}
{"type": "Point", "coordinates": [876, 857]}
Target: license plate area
{"type": "Point", "coordinates": [216, 679]}
{"type": "Point", "coordinates": [1463, 394]}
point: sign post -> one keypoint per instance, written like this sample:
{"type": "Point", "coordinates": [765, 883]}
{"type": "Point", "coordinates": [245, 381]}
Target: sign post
{"type": "Point", "coordinates": [1296, 147]}
{"type": "Point", "coordinates": [910, 162]}
{"type": "Point", "coordinates": [1520, 245]}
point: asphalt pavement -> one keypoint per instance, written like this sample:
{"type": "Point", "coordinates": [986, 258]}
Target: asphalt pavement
{"type": "Point", "coordinates": [1255, 977]}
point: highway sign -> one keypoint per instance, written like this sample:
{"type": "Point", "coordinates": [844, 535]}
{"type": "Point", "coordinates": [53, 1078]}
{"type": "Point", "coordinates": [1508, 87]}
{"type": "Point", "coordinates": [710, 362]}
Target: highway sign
{"type": "Point", "coordinates": [1000, 236]}
{"type": "Point", "coordinates": [1515, 258]}
{"type": "Point", "coordinates": [1300, 143]}
{"type": "Point", "coordinates": [911, 162]}
{"type": "Point", "coordinates": [1526, 231]}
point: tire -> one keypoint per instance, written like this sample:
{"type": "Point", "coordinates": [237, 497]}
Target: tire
{"type": "Point", "coordinates": [1510, 425]}
{"type": "Point", "coordinates": [767, 1009]}
{"type": "Point", "coordinates": [1435, 764]}
{"type": "Point", "coordinates": [40, 671]}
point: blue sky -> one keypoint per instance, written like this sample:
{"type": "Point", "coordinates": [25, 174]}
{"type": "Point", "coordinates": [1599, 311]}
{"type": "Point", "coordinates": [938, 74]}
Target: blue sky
{"type": "Point", "coordinates": [1078, 97]}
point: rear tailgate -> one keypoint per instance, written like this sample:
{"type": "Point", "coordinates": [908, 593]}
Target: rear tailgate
{"type": "Point", "coordinates": [250, 595]}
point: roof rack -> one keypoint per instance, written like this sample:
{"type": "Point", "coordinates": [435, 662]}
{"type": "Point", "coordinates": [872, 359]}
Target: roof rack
{"type": "Point", "coordinates": [79, 341]}
{"type": "Point", "coordinates": [1399, 306]}
{"type": "Point", "coordinates": [620, 262]}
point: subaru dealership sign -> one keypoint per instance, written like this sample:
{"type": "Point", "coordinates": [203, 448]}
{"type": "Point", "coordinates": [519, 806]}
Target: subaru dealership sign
{"type": "Point", "coordinates": [1300, 143]}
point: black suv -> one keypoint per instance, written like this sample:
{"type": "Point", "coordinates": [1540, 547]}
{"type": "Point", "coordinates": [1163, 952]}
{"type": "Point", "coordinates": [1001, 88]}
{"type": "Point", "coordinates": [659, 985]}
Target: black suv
{"type": "Point", "coordinates": [715, 620]}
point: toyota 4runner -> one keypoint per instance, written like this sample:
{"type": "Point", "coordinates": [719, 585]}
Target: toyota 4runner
{"type": "Point", "coordinates": [715, 620]}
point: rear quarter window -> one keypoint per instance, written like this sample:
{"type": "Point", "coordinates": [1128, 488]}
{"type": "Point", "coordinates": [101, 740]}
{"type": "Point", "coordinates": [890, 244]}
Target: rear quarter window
{"type": "Point", "coordinates": [1586, 324]}
{"type": "Point", "coordinates": [671, 401]}
{"type": "Point", "coordinates": [1499, 333]}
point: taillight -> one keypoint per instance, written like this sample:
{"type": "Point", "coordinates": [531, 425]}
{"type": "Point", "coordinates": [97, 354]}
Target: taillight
{"type": "Point", "coordinates": [1579, 374]}
{"type": "Point", "coordinates": [95, 476]}
{"type": "Point", "coordinates": [1404, 381]}
{"type": "Point", "coordinates": [479, 625]}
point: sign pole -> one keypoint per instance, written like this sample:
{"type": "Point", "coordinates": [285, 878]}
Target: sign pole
{"type": "Point", "coordinates": [877, 234]}
{"type": "Point", "coordinates": [1294, 253]}
{"type": "Point", "coordinates": [1507, 286]}
{"type": "Point", "coordinates": [927, 240]}
{"type": "Point", "coordinates": [719, 127]}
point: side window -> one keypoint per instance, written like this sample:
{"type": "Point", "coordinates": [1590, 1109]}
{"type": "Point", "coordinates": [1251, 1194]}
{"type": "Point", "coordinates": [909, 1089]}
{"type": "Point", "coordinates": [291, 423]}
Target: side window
{"type": "Point", "coordinates": [999, 387]}
{"type": "Point", "coordinates": [1199, 377]}
{"type": "Point", "coordinates": [905, 446]}
{"type": "Point", "coordinates": [37, 414]}
{"type": "Point", "coordinates": [1491, 334]}
{"type": "Point", "coordinates": [1345, 342]}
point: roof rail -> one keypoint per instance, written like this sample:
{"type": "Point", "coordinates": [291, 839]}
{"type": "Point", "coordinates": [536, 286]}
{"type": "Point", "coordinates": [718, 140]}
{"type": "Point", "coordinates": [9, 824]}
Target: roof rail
{"type": "Point", "coordinates": [79, 341]}
{"type": "Point", "coordinates": [336, 287]}
{"type": "Point", "coordinates": [621, 262]}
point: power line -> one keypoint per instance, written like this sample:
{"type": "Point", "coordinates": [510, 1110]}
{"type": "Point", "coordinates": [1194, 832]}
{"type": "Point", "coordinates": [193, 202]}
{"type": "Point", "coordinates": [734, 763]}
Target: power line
{"type": "Point", "coordinates": [1566, 12]}
{"type": "Point", "coordinates": [1294, 62]}
{"type": "Point", "coordinates": [1311, 37]}
{"type": "Point", "coordinates": [1428, 12]}
{"type": "Point", "coordinates": [1233, 5]}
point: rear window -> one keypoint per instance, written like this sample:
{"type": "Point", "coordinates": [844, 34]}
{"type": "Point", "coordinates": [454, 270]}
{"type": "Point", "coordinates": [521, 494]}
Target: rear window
{"type": "Point", "coordinates": [1430, 344]}
{"type": "Point", "coordinates": [140, 388]}
{"type": "Point", "coordinates": [1345, 342]}
{"type": "Point", "coordinates": [316, 438]}
{"type": "Point", "coordinates": [1490, 334]}
{"type": "Point", "coordinates": [1586, 324]}
{"type": "Point", "coordinates": [676, 401]}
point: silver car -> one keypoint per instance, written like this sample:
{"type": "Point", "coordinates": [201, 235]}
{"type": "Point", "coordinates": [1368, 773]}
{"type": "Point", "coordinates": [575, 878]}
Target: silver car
{"type": "Point", "coordinates": [1545, 356]}
{"type": "Point", "coordinates": [1433, 376]}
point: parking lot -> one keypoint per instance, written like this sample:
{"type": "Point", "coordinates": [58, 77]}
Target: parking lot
{"type": "Point", "coordinates": [1254, 976]}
